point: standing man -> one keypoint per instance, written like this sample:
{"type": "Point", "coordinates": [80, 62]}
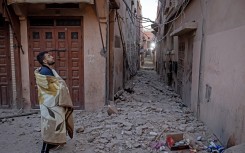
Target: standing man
{"type": "Point", "coordinates": [55, 104]}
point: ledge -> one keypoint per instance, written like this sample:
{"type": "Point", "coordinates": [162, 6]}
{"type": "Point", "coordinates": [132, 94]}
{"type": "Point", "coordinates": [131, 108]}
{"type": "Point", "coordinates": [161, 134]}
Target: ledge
{"type": "Point", "coordinates": [187, 27]}
{"type": "Point", "coordinates": [50, 1]}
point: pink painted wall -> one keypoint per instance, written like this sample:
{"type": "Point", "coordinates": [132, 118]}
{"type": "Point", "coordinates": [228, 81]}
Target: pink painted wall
{"type": "Point", "coordinates": [25, 64]}
{"type": "Point", "coordinates": [94, 62]}
{"type": "Point", "coordinates": [222, 66]}
{"type": "Point", "coordinates": [149, 36]}
{"type": "Point", "coordinates": [224, 70]}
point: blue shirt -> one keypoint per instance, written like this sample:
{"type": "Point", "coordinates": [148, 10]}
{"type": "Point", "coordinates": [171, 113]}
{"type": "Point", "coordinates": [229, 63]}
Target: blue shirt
{"type": "Point", "coordinates": [46, 71]}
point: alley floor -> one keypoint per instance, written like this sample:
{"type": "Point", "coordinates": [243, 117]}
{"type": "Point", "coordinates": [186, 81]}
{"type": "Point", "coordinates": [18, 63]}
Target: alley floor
{"type": "Point", "coordinates": [145, 116]}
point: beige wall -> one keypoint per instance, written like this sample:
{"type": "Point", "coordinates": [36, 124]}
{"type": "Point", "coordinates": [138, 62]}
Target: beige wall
{"type": "Point", "coordinates": [222, 66]}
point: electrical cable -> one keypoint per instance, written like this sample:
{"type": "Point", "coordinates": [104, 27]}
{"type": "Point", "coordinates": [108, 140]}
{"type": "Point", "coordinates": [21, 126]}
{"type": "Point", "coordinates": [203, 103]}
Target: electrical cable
{"type": "Point", "coordinates": [12, 26]}
{"type": "Point", "coordinates": [102, 41]}
{"type": "Point", "coordinates": [187, 2]}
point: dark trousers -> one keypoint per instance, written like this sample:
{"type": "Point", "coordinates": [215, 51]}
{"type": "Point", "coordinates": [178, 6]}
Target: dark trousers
{"type": "Point", "coordinates": [46, 147]}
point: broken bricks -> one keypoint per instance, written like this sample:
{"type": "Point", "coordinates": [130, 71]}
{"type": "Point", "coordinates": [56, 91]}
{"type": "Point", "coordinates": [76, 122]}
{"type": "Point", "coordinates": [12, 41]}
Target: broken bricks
{"type": "Point", "coordinates": [112, 110]}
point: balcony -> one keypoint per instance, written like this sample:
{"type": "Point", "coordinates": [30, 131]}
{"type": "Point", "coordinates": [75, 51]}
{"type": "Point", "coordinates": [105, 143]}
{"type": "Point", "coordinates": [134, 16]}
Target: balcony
{"type": "Point", "coordinates": [185, 28]}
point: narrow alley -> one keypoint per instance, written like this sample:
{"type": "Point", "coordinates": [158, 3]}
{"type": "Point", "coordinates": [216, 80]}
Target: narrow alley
{"type": "Point", "coordinates": [122, 76]}
{"type": "Point", "coordinates": [145, 116]}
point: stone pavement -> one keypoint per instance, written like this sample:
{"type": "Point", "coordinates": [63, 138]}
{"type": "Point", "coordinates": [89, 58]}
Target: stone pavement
{"type": "Point", "coordinates": [148, 63]}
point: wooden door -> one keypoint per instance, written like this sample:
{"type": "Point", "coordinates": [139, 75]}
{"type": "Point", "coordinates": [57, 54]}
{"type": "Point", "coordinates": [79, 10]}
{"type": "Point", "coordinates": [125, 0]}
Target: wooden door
{"type": "Point", "coordinates": [75, 62]}
{"type": "Point", "coordinates": [180, 72]}
{"type": "Point", "coordinates": [187, 77]}
{"type": "Point", "coordinates": [66, 43]}
{"type": "Point", "coordinates": [5, 67]}
{"type": "Point", "coordinates": [69, 61]}
{"type": "Point", "coordinates": [61, 54]}
{"type": "Point", "coordinates": [39, 40]}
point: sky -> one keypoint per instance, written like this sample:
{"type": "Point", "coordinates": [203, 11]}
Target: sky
{"type": "Point", "coordinates": [149, 10]}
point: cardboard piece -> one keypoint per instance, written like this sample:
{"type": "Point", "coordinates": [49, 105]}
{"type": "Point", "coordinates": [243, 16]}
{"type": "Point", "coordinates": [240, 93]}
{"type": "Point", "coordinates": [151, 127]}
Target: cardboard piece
{"type": "Point", "coordinates": [173, 139]}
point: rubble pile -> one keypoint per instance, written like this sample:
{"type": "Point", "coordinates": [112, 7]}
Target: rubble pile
{"type": "Point", "coordinates": [143, 120]}
{"type": "Point", "coordinates": [139, 121]}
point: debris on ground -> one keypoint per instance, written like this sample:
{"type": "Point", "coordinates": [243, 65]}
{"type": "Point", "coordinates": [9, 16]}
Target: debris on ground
{"type": "Point", "coordinates": [112, 110]}
{"type": "Point", "coordinates": [138, 123]}
{"type": "Point", "coordinates": [215, 148]}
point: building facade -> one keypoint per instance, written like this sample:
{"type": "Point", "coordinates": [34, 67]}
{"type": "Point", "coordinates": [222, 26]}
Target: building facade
{"type": "Point", "coordinates": [200, 54]}
{"type": "Point", "coordinates": [78, 33]}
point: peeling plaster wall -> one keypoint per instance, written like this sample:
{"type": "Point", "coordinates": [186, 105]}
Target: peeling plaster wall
{"type": "Point", "coordinates": [131, 39]}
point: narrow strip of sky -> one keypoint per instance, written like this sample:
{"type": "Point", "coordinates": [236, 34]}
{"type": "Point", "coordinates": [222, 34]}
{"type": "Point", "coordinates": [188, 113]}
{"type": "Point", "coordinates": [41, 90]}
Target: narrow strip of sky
{"type": "Point", "coordinates": [149, 10]}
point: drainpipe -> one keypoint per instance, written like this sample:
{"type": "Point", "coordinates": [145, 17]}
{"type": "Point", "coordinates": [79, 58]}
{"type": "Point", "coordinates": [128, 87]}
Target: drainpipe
{"type": "Point", "coordinates": [104, 51]}
{"type": "Point", "coordinates": [107, 58]}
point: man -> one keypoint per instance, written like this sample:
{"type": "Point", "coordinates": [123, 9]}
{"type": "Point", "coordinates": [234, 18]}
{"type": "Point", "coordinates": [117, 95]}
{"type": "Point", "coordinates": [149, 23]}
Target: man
{"type": "Point", "coordinates": [55, 104]}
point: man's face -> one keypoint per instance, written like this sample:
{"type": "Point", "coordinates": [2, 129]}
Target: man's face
{"type": "Point", "coordinates": [48, 59]}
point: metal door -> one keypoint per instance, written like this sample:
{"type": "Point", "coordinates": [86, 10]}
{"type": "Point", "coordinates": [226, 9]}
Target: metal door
{"type": "Point", "coordinates": [187, 78]}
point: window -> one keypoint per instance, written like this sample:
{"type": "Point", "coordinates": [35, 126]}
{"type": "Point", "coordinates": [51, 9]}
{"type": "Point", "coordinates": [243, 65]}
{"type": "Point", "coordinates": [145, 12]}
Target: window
{"type": "Point", "coordinates": [68, 22]}
{"type": "Point", "coordinates": [74, 35]}
{"type": "Point", "coordinates": [35, 35]}
{"type": "Point", "coordinates": [41, 22]}
{"type": "Point", "coordinates": [48, 35]}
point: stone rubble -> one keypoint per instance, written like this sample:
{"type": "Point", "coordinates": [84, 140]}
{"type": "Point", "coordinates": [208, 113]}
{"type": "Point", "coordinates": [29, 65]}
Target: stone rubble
{"type": "Point", "coordinates": [141, 118]}
{"type": "Point", "coordinates": [143, 115]}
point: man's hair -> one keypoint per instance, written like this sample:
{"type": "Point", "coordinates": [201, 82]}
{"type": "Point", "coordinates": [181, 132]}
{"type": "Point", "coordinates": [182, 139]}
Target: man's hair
{"type": "Point", "coordinates": [40, 56]}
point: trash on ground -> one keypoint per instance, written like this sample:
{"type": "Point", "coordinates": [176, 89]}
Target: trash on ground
{"type": "Point", "coordinates": [158, 145]}
{"type": "Point", "coordinates": [214, 148]}
{"type": "Point", "coordinates": [177, 142]}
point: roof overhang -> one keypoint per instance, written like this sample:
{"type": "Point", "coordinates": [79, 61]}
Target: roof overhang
{"type": "Point", "coordinates": [187, 27]}
{"type": "Point", "coordinates": [50, 1]}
